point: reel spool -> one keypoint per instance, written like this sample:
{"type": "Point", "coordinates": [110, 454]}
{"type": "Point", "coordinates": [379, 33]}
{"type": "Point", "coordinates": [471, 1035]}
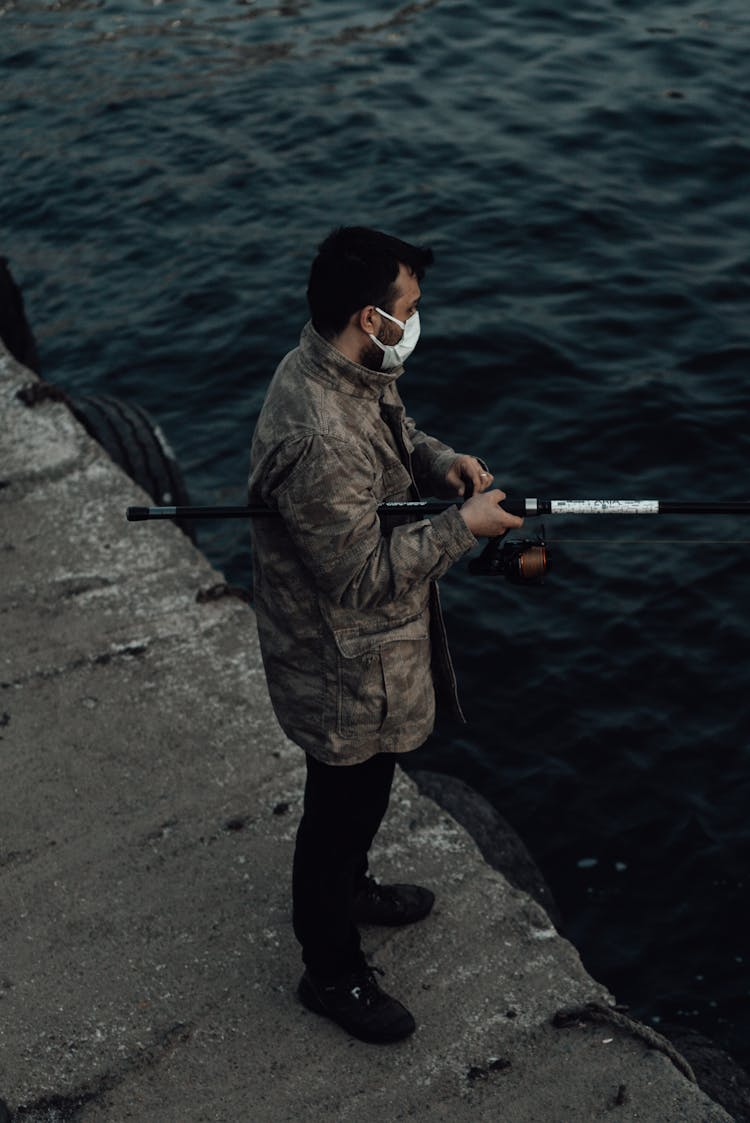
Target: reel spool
{"type": "Point", "coordinates": [522, 561]}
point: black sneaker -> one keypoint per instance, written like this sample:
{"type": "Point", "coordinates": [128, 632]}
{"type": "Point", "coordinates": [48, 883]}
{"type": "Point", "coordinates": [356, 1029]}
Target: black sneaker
{"type": "Point", "coordinates": [391, 904]}
{"type": "Point", "coordinates": [358, 1005]}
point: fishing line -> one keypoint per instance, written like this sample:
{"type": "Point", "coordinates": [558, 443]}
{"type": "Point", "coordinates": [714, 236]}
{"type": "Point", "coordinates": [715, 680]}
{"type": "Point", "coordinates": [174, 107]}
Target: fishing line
{"type": "Point", "coordinates": [654, 541]}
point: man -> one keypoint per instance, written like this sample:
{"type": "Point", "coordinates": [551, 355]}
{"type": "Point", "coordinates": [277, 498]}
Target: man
{"type": "Point", "coordinates": [349, 621]}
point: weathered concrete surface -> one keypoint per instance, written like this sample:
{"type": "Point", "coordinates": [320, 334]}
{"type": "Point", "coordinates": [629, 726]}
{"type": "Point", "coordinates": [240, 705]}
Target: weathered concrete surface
{"type": "Point", "coordinates": [148, 809]}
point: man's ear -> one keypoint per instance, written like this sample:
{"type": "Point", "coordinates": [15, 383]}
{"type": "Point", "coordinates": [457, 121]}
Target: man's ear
{"type": "Point", "coordinates": [366, 319]}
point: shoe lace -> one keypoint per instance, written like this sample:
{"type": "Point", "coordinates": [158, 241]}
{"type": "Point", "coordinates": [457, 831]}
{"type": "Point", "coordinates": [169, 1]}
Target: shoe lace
{"type": "Point", "coordinates": [366, 989]}
{"type": "Point", "coordinates": [375, 891]}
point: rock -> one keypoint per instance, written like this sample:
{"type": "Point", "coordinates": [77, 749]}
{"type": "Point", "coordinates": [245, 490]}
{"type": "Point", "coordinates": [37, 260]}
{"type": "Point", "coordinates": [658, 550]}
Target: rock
{"type": "Point", "coordinates": [14, 327]}
{"type": "Point", "coordinates": [499, 844]}
{"type": "Point", "coordinates": [717, 1074]}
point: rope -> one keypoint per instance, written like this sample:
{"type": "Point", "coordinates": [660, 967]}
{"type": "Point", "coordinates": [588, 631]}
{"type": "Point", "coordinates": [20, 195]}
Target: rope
{"type": "Point", "coordinates": [610, 1015]}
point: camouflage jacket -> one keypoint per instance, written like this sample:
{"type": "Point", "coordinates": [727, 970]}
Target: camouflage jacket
{"type": "Point", "coordinates": [347, 610]}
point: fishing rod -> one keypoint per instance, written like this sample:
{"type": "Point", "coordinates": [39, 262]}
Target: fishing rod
{"type": "Point", "coordinates": [523, 507]}
{"type": "Point", "coordinates": [523, 561]}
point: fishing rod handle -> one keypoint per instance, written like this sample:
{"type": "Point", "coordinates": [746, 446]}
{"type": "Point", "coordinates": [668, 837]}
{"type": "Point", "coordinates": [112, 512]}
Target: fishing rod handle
{"type": "Point", "coordinates": [142, 514]}
{"type": "Point", "coordinates": [417, 507]}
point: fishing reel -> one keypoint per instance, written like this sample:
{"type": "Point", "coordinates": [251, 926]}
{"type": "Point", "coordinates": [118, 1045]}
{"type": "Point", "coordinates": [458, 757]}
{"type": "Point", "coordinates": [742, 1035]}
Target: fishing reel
{"type": "Point", "coordinates": [522, 561]}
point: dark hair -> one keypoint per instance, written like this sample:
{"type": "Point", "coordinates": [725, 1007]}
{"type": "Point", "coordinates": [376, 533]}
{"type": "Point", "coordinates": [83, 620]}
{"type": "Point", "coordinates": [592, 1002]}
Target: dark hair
{"type": "Point", "coordinates": [354, 267]}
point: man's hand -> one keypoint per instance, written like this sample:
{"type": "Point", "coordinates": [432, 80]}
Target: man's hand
{"type": "Point", "coordinates": [467, 469]}
{"type": "Point", "coordinates": [484, 516]}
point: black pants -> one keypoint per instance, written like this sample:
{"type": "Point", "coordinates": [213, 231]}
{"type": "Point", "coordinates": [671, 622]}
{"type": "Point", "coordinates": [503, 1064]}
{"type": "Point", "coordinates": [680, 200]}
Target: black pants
{"type": "Point", "coordinates": [344, 806]}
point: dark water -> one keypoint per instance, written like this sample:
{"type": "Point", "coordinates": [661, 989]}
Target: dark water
{"type": "Point", "coordinates": [583, 177]}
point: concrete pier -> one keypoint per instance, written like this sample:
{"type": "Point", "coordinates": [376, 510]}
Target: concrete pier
{"type": "Point", "coordinates": [148, 805]}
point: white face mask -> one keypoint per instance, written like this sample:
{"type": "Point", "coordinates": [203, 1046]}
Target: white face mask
{"type": "Point", "coordinates": [394, 354]}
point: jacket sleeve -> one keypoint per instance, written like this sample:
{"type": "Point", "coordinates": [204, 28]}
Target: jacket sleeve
{"type": "Point", "coordinates": [328, 501]}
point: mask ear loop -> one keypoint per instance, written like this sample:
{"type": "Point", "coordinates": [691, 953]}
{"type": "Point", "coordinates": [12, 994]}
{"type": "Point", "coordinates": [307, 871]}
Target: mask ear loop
{"type": "Point", "coordinates": [388, 316]}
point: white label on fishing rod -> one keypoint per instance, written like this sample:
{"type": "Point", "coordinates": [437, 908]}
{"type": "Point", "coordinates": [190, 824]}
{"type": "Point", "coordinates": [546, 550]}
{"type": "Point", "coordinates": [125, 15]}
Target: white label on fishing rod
{"type": "Point", "coordinates": [604, 506]}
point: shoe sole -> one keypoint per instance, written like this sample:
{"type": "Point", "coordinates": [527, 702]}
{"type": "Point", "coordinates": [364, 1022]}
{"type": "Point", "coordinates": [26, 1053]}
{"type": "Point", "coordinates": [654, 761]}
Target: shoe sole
{"type": "Point", "coordinates": [310, 999]}
{"type": "Point", "coordinates": [361, 917]}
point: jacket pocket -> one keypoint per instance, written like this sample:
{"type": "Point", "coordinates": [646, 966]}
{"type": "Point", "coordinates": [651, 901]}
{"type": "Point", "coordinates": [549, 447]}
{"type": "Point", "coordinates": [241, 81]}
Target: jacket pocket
{"type": "Point", "coordinates": [384, 678]}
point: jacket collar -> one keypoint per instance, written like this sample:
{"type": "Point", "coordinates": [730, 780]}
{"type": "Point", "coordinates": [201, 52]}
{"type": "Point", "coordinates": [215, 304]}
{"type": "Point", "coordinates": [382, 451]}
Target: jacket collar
{"type": "Point", "coordinates": [325, 364]}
